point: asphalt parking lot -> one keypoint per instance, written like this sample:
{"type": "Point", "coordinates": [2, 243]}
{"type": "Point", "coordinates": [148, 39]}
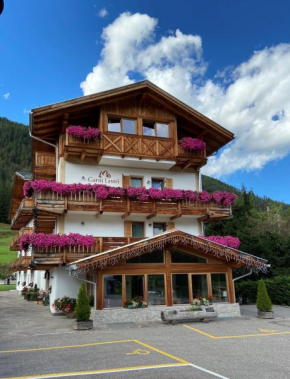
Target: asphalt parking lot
{"type": "Point", "coordinates": [34, 344]}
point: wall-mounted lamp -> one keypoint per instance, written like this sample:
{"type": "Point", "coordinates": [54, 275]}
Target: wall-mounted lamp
{"type": "Point", "coordinates": [148, 182]}
{"type": "Point", "coordinates": [149, 224]}
{"type": "Point", "coordinates": [82, 223]}
{"type": "Point", "coordinates": [83, 177]}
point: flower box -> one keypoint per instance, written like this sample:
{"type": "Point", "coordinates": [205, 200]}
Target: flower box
{"type": "Point", "coordinates": [83, 325]}
{"type": "Point", "coordinates": [175, 316]}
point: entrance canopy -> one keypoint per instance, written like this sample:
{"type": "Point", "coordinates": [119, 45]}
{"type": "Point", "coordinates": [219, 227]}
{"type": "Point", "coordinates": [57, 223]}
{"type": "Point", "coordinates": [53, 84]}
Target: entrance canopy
{"type": "Point", "coordinates": [170, 238]}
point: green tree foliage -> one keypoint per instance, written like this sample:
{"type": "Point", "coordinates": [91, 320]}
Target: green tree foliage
{"type": "Point", "coordinates": [15, 155]}
{"type": "Point", "coordinates": [264, 303]}
{"type": "Point", "coordinates": [83, 309]}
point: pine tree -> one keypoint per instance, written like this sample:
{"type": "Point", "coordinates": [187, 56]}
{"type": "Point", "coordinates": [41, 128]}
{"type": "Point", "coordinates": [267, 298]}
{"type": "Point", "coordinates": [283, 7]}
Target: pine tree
{"type": "Point", "coordinates": [264, 303]}
{"type": "Point", "coordinates": [83, 309]}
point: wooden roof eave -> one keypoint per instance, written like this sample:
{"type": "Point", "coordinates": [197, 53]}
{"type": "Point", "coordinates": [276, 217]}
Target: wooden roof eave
{"type": "Point", "coordinates": [53, 112]}
{"type": "Point", "coordinates": [172, 237]}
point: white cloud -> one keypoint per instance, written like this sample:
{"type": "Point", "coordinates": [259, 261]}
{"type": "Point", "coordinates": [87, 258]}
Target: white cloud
{"type": "Point", "coordinates": [252, 100]}
{"type": "Point", "coordinates": [25, 111]}
{"type": "Point", "coordinates": [103, 13]}
{"type": "Point", "coordinates": [6, 95]}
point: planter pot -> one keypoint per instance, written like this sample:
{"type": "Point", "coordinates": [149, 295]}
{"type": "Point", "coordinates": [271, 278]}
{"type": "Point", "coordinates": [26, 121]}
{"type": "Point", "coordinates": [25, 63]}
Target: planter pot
{"type": "Point", "coordinates": [83, 325]}
{"type": "Point", "coordinates": [266, 315]}
{"type": "Point", "coordinates": [174, 316]}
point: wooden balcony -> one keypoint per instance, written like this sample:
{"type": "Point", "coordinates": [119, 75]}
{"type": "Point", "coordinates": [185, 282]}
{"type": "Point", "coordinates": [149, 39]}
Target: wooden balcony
{"type": "Point", "coordinates": [59, 256]}
{"type": "Point", "coordinates": [59, 204]}
{"type": "Point", "coordinates": [14, 244]}
{"type": "Point", "coordinates": [20, 264]}
{"type": "Point", "coordinates": [23, 214]}
{"type": "Point", "coordinates": [132, 145]}
{"type": "Point", "coordinates": [44, 166]}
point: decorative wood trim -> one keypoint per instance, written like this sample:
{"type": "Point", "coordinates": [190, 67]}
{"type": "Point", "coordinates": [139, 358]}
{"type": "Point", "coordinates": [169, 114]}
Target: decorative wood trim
{"type": "Point", "coordinates": [100, 291]}
{"type": "Point", "coordinates": [168, 279]}
{"type": "Point", "coordinates": [232, 297]}
{"type": "Point", "coordinates": [128, 228]}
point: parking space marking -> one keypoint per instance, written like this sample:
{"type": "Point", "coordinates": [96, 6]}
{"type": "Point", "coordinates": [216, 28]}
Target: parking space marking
{"type": "Point", "coordinates": [64, 347]}
{"type": "Point", "coordinates": [104, 371]}
{"type": "Point", "coordinates": [229, 337]}
{"type": "Point", "coordinates": [161, 352]}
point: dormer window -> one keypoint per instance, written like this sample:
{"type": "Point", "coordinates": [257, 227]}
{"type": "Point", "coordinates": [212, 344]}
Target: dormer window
{"type": "Point", "coordinates": [155, 129]}
{"type": "Point", "coordinates": [121, 125]}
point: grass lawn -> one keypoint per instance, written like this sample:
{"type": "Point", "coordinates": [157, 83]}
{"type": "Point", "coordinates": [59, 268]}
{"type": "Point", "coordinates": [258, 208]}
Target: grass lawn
{"type": "Point", "coordinates": [6, 255]}
{"type": "Point", "coordinates": [7, 287]}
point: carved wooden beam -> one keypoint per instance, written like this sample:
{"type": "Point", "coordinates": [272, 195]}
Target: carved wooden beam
{"type": "Point", "coordinates": [99, 214]}
{"type": "Point", "coordinates": [175, 217]}
{"type": "Point", "coordinates": [152, 215]}
{"type": "Point", "coordinates": [125, 215]}
{"type": "Point", "coordinates": [64, 122]}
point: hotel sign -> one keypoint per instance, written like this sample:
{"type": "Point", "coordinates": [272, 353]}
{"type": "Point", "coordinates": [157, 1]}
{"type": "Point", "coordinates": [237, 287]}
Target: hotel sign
{"type": "Point", "coordinates": [105, 177]}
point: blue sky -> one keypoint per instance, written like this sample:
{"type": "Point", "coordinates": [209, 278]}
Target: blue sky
{"type": "Point", "coordinates": [49, 47]}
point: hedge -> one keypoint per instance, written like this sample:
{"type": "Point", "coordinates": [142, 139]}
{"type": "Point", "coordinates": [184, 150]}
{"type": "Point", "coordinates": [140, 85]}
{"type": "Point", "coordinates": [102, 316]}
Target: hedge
{"type": "Point", "coordinates": [278, 290]}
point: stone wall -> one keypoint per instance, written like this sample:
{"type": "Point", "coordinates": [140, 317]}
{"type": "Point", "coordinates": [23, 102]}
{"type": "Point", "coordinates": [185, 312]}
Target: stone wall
{"type": "Point", "coordinates": [138, 315]}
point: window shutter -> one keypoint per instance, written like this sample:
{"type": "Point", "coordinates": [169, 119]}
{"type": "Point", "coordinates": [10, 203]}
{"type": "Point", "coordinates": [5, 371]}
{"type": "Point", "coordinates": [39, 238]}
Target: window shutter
{"type": "Point", "coordinates": [168, 183]}
{"type": "Point", "coordinates": [126, 181]}
{"type": "Point", "coordinates": [127, 228]}
{"type": "Point", "coordinates": [170, 225]}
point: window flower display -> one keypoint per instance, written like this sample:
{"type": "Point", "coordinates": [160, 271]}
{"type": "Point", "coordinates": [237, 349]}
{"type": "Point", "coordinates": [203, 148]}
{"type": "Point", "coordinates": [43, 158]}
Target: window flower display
{"type": "Point", "coordinates": [87, 134]}
{"type": "Point", "coordinates": [190, 144]}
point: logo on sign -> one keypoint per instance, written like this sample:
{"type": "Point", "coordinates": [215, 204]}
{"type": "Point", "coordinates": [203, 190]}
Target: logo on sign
{"type": "Point", "coordinates": [104, 177]}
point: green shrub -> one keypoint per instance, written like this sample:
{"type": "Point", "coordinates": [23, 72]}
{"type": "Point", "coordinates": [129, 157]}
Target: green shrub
{"type": "Point", "coordinates": [264, 303]}
{"type": "Point", "coordinates": [278, 289]}
{"type": "Point", "coordinates": [83, 309]}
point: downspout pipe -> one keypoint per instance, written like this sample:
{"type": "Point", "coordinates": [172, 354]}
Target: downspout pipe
{"type": "Point", "coordinates": [243, 276]}
{"type": "Point", "coordinates": [41, 140]}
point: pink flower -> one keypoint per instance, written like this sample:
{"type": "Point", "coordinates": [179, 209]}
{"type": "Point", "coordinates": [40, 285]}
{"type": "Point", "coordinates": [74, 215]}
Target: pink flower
{"type": "Point", "coordinates": [189, 143]}
{"type": "Point", "coordinates": [229, 241]}
{"type": "Point", "coordinates": [89, 134]}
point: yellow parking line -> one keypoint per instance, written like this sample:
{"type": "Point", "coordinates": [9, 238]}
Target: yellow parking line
{"type": "Point", "coordinates": [65, 347]}
{"type": "Point", "coordinates": [76, 373]}
{"type": "Point", "coordinates": [240, 336]}
{"type": "Point", "coordinates": [201, 332]}
{"type": "Point", "coordinates": [162, 352]}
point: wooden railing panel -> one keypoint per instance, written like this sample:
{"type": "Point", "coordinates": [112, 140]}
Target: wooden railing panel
{"type": "Point", "coordinates": [44, 159]}
{"type": "Point", "coordinates": [14, 244]}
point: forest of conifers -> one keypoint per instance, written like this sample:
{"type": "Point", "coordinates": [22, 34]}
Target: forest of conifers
{"type": "Point", "coordinates": [263, 225]}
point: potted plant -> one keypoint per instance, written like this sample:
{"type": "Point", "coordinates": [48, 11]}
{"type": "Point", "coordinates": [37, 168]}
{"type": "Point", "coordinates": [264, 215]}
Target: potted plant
{"type": "Point", "coordinates": [136, 302]}
{"type": "Point", "coordinates": [264, 303]}
{"type": "Point", "coordinates": [83, 311]}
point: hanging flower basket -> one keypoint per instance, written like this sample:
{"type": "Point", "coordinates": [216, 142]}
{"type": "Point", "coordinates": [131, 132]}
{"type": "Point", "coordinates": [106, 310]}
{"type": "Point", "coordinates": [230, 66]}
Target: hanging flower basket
{"type": "Point", "coordinates": [190, 144]}
{"type": "Point", "coordinates": [233, 242]}
{"type": "Point", "coordinates": [87, 134]}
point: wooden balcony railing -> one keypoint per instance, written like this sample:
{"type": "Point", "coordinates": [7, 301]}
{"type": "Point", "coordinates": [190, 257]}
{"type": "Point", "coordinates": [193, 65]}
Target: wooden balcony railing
{"type": "Point", "coordinates": [51, 202]}
{"type": "Point", "coordinates": [20, 264]}
{"type": "Point", "coordinates": [61, 255]}
{"type": "Point", "coordinates": [14, 244]}
{"type": "Point", "coordinates": [44, 167]}
{"type": "Point", "coordinates": [132, 145]}
{"type": "Point", "coordinates": [23, 214]}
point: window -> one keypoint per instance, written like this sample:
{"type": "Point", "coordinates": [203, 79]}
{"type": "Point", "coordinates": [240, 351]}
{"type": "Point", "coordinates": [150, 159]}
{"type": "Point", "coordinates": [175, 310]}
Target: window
{"type": "Point", "coordinates": [199, 285]}
{"type": "Point", "coordinates": [219, 287]}
{"type": "Point", "coordinates": [134, 286]}
{"type": "Point", "coordinates": [112, 291]}
{"type": "Point", "coordinates": [157, 183]}
{"type": "Point", "coordinates": [137, 229]}
{"type": "Point", "coordinates": [156, 290]}
{"type": "Point", "coordinates": [158, 228]}
{"type": "Point", "coordinates": [178, 256]}
{"type": "Point", "coordinates": [155, 129]}
{"type": "Point", "coordinates": [136, 182]}
{"type": "Point", "coordinates": [180, 288]}
{"type": "Point", "coordinates": [156, 256]}
{"type": "Point", "coordinates": [121, 125]}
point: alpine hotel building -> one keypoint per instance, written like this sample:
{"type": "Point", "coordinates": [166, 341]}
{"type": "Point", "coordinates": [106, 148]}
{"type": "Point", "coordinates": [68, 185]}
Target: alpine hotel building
{"type": "Point", "coordinates": [132, 183]}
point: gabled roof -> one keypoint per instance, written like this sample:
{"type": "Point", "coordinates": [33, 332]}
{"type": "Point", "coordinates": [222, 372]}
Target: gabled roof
{"type": "Point", "coordinates": [46, 121]}
{"type": "Point", "coordinates": [172, 237]}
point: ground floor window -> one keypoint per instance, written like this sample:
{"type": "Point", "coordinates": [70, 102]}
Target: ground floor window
{"type": "Point", "coordinates": [199, 285]}
{"type": "Point", "coordinates": [180, 288]}
{"type": "Point", "coordinates": [134, 286]}
{"type": "Point", "coordinates": [219, 287]}
{"type": "Point", "coordinates": [112, 291]}
{"type": "Point", "coordinates": [156, 289]}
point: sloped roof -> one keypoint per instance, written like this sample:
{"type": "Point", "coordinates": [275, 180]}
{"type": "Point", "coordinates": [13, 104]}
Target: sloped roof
{"type": "Point", "coordinates": [46, 121]}
{"type": "Point", "coordinates": [17, 194]}
{"type": "Point", "coordinates": [172, 237]}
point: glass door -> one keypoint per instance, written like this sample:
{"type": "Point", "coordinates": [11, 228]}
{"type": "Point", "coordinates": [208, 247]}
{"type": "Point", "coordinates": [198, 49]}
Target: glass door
{"type": "Point", "coordinates": [134, 286]}
{"type": "Point", "coordinates": [199, 286]}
